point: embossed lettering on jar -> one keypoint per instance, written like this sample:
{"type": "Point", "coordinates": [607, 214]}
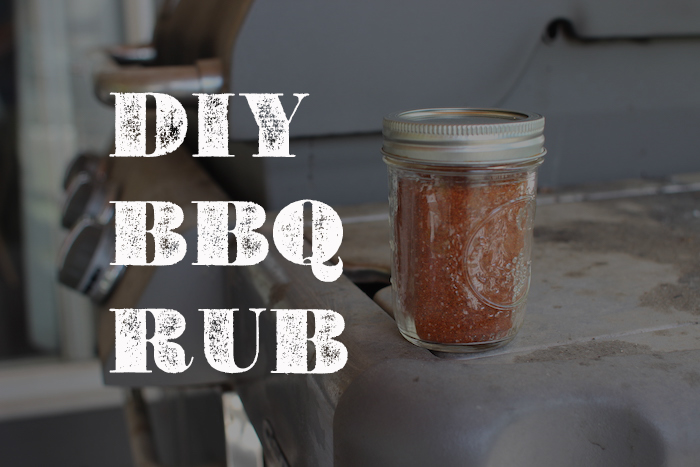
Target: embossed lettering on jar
{"type": "Point", "coordinates": [462, 185]}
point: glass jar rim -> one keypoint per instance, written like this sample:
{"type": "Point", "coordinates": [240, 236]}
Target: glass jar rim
{"type": "Point", "coordinates": [501, 166]}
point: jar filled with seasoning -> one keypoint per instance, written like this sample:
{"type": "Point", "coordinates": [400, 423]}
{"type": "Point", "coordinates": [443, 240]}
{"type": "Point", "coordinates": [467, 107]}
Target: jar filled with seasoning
{"type": "Point", "coordinates": [462, 185]}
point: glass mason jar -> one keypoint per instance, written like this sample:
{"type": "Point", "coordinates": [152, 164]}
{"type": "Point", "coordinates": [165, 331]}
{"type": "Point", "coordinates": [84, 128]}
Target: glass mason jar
{"type": "Point", "coordinates": [462, 186]}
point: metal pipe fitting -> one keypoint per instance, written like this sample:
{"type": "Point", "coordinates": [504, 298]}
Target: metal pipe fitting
{"type": "Point", "coordinates": [205, 76]}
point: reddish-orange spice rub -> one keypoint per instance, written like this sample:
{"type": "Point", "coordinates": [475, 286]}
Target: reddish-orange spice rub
{"type": "Point", "coordinates": [462, 252]}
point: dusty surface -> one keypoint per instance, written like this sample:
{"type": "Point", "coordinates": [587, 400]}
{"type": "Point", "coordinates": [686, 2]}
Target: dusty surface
{"type": "Point", "coordinates": [664, 229]}
{"type": "Point", "coordinates": [586, 352]}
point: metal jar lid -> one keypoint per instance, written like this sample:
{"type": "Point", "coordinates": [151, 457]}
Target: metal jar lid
{"type": "Point", "coordinates": [463, 136]}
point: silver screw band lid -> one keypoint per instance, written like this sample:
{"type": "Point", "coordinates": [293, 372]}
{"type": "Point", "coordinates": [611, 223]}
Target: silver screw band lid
{"type": "Point", "coordinates": [464, 136]}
